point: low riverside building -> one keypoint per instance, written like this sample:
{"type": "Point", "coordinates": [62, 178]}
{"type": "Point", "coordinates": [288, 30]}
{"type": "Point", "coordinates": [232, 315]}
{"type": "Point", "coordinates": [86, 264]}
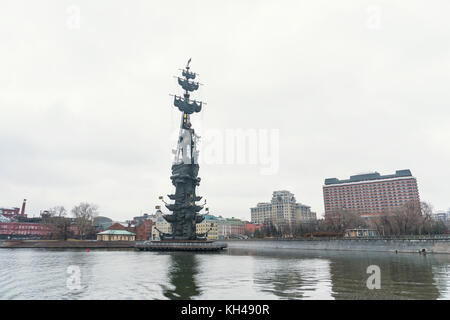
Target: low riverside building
{"type": "Point", "coordinates": [250, 228]}
{"type": "Point", "coordinates": [143, 230]}
{"type": "Point", "coordinates": [216, 227]}
{"type": "Point", "coordinates": [230, 228]}
{"type": "Point", "coordinates": [116, 235]}
{"type": "Point", "coordinates": [159, 223]}
{"type": "Point", "coordinates": [142, 226]}
{"type": "Point", "coordinates": [23, 230]}
{"type": "Point", "coordinates": [360, 233]}
{"type": "Point", "coordinates": [208, 225]}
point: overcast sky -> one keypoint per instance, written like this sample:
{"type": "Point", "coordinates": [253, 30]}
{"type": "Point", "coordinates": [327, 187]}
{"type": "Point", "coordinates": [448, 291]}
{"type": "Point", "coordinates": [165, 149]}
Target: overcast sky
{"type": "Point", "coordinates": [345, 86]}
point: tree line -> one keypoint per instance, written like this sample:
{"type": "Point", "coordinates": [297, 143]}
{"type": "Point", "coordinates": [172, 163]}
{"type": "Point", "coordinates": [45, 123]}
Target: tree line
{"type": "Point", "coordinates": [413, 218]}
{"type": "Point", "coordinates": [77, 224]}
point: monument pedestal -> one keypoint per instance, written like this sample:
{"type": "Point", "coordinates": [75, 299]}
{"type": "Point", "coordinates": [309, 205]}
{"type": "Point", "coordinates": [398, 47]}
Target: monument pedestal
{"type": "Point", "coordinates": [181, 245]}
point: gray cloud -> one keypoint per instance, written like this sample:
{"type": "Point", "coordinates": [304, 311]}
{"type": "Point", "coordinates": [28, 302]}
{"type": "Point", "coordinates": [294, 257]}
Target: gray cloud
{"type": "Point", "coordinates": [86, 114]}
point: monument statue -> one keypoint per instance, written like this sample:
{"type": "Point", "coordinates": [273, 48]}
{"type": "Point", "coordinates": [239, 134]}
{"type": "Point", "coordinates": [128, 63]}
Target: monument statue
{"type": "Point", "coordinates": [185, 212]}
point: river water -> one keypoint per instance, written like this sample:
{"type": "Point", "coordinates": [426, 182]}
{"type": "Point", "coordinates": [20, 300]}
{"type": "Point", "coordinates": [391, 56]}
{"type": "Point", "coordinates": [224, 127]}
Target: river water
{"type": "Point", "coordinates": [232, 274]}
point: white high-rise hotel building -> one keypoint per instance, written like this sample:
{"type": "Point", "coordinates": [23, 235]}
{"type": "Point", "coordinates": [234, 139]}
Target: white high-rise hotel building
{"type": "Point", "coordinates": [282, 210]}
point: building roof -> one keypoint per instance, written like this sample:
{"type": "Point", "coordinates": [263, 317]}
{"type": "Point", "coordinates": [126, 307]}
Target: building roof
{"type": "Point", "coordinates": [210, 217]}
{"type": "Point", "coordinates": [117, 232]}
{"type": "Point", "coordinates": [4, 219]}
{"type": "Point", "coordinates": [101, 219]}
{"type": "Point", "coordinates": [233, 221]}
{"type": "Point", "coordinates": [369, 177]}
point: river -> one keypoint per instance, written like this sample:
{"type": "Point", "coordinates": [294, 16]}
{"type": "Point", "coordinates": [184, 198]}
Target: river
{"type": "Point", "coordinates": [233, 274]}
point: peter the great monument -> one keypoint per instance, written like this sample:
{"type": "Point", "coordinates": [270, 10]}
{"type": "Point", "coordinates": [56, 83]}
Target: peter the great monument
{"type": "Point", "coordinates": [185, 212]}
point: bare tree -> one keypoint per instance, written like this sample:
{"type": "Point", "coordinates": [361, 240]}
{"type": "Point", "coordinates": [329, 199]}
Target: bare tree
{"type": "Point", "coordinates": [55, 218]}
{"type": "Point", "coordinates": [303, 228]}
{"type": "Point", "coordinates": [412, 218]}
{"type": "Point", "coordinates": [404, 220]}
{"type": "Point", "coordinates": [409, 218]}
{"type": "Point", "coordinates": [84, 215]}
{"type": "Point", "coordinates": [270, 230]}
{"type": "Point", "coordinates": [427, 218]}
{"type": "Point", "coordinates": [342, 219]}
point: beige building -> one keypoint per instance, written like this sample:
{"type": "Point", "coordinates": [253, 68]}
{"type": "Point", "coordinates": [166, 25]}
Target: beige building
{"type": "Point", "coordinates": [230, 228]}
{"type": "Point", "coordinates": [116, 235]}
{"type": "Point", "coordinates": [282, 210]}
{"type": "Point", "coordinates": [304, 214]}
{"type": "Point", "coordinates": [159, 223]}
{"type": "Point", "coordinates": [360, 232]}
{"type": "Point", "coordinates": [262, 212]}
{"type": "Point", "coordinates": [209, 224]}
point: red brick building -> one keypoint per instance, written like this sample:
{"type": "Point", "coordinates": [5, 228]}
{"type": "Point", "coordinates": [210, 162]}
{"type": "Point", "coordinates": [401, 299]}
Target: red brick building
{"type": "Point", "coordinates": [250, 228]}
{"type": "Point", "coordinates": [14, 212]}
{"type": "Point", "coordinates": [370, 194]}
{"type": "Point", "coordinates": [25, 229]}
{"type": "Point", "coordinates": [118, 226]}
{"type": "Point", "coordinates": [144, 231]}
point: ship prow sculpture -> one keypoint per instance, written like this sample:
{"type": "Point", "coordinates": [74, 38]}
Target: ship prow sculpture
{"type": "Point", "coordinates": [185, 212]}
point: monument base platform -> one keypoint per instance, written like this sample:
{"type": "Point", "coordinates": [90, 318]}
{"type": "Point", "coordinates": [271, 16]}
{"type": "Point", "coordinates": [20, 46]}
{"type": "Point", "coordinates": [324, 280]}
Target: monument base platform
{"type": "Point", "coordinates": [181, 245]}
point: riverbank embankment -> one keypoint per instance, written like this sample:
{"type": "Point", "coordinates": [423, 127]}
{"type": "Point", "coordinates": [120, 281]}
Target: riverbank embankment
{"type": "Point", "coordinates": [348, 244]}
{"type": "Point", "coordinates": [412, 245]}
{"type": "Point", "coordinates": [73, 244]}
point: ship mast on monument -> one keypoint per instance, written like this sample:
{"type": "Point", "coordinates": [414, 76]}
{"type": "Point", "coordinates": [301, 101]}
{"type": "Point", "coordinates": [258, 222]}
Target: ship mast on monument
{"type": "Point", "coordinates": [187, 141]}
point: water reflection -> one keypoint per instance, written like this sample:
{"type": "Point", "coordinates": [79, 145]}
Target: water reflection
{"type": "Point", "coordinates": [294, 274]}
{"type": "Point", "coordinates": [402, 277]}
{"type": "Point", "coordinates": [183, 269]}
{"type": "Point", "coordinates": [442, 280]}
{"type": "Point", "coordinates": [295, 278]}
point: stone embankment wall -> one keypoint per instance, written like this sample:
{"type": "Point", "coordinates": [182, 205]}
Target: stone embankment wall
{"type": "Point", "coordinates": [381, 245]}
{"type": "Point", "coordinates": [66, 244]}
